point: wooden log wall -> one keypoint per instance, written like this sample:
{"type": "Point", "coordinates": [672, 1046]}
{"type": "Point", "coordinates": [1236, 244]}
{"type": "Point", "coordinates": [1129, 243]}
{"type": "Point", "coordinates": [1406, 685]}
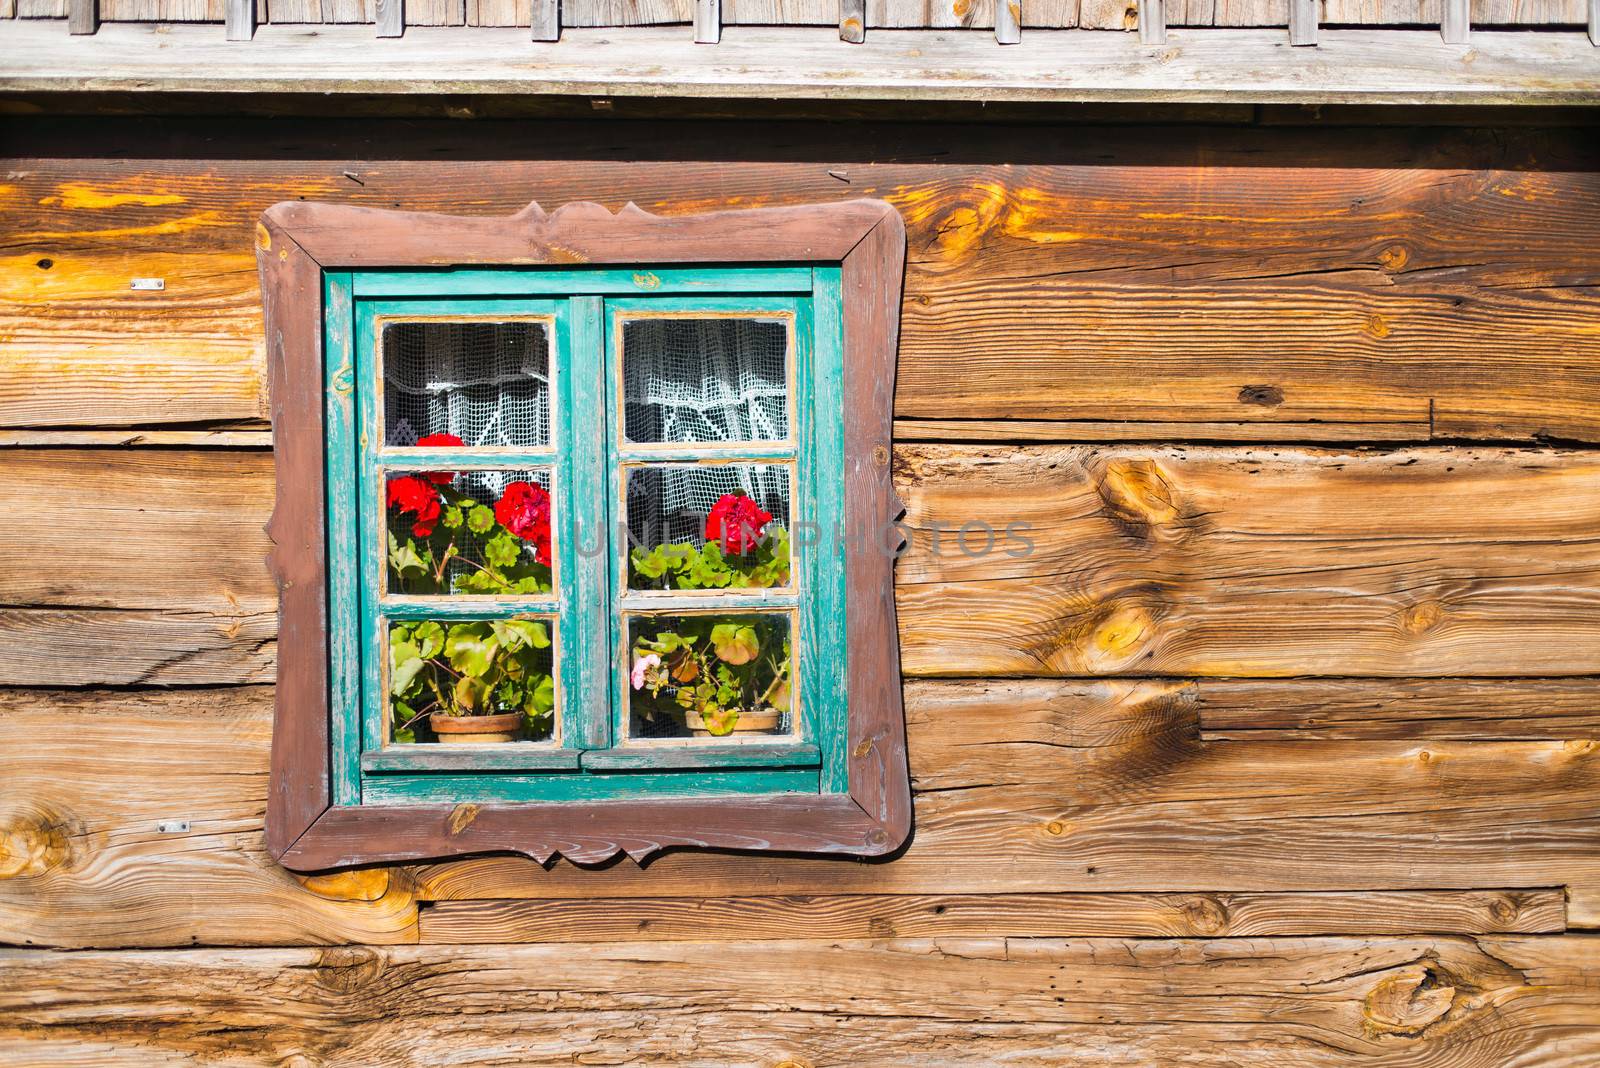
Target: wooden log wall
{"type": "Point", "coordinates": [1281, 747]}
{"type": "Point", "coordinates": [885, 14]}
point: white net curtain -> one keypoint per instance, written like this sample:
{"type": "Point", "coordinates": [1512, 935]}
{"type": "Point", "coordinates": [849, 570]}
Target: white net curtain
{"type": "Point", "coordinates": [698, 380]}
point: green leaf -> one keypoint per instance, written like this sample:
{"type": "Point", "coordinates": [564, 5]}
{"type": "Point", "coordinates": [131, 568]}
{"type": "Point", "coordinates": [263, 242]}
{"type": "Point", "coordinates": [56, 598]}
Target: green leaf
{"type": "Point", "coordinates": [735, 644]}
{"type": "Point", "coordinates": [405, 735]}
{"type": "Point", "coordinates": [481, 519]}
{"type": "Point", "coordinates": [522, 634]}
{"type": "Point", "coordinates": [452, 518]}
{"type": "Point", "coordinates": [404, 666]}
{"type": "Point", "coordinates": [502, 550]}
{"type": "Point", "coordinates": [429, 637]}
{"type": "Point", "coordinates": [405, 558]}
{"type": "Point", "coordinates": [471, 694]}
{"type": "Point", "coordinates": [471, 648]}
{"type": "Point", "coordinates": [541, 697]}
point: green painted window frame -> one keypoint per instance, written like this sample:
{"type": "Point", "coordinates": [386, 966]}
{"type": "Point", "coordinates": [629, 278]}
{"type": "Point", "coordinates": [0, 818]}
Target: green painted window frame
{"type": "Point", "coordinates": [590, 606]}
{"type": "Point", "coordinates": [317, 262]}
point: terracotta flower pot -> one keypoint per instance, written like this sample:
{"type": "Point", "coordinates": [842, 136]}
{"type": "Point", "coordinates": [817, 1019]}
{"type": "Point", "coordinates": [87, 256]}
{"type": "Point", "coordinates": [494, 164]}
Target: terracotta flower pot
{"type": "Point", "coordinates": [765, 720]}
{"type": "Point", "coordinates": [475, 730]}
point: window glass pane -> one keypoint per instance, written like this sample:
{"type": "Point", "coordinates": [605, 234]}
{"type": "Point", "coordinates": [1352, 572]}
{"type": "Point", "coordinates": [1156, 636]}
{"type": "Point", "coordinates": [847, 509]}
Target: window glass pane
{"type": "Point", "coordinates": [693, 380]}
{"type": "Point", "coordinates": [472, 681]}
{"type": "Point", "coordinates": [708, 526]}
{"type": "Point", "coordinates": [710, 676]}
{"type": "Point", "coordinates": [484, 383]}
{"type": "Point", "coordinates": [476, 532]}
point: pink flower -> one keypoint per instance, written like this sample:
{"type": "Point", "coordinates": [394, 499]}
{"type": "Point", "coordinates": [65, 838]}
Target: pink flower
{"type": "Point", "coordinates": [641, 665]}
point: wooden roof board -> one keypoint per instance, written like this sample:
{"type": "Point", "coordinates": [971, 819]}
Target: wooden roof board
{"type": "Point", "coordinates": [798, 63]}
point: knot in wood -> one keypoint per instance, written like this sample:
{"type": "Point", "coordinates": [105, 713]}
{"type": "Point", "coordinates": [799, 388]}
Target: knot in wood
{"type": "Point", "coordinates": [1205, 915]}
{"type": "Point", "coordinates": [32, 843]}
{"type": "Point", "coordinates": [347, 969]}
{"type": "Point", "coordinates": [1503, 909]}
{"type": "Point", "coordinates": [1408, 1002]}
{"type": "Point", "coordinates": [1137, 497]}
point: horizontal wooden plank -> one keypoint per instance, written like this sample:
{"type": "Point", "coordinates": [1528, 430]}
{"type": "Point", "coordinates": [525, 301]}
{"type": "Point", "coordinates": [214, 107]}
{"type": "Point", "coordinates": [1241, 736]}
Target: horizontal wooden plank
{"type": "Point", "coordinates": [1355, 66]}
{"type": "Point", "coordinates": [133, 818]}
{"type": "Point", "coordinates": [1406, 285]}
{"type": "Point", "coordinates": [1047, 787]}
{"type": "Point", "coordinates": [1488, 1001]}
{"type": "Point", "coordinates": [1032, 789]}
{"type": "Point", "coordinates": [1149, 560]}
{"type": "Point", "coordinates": [1315, 709]}
{"type": "Point", "coordinates": [740, 919]}
{"type": "Point", "coordinates": [1253, 562]}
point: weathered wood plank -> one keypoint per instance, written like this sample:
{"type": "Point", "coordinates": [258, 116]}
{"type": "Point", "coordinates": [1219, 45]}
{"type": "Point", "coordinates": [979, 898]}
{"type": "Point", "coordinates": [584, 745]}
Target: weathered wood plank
{"type": "Point", "coordinates": [1463, 709]}
{"type": "Point", "coordinates": [83, 16]}
{"type": "Point", "coordinates": [1024, 788]}
{"type": "Point", "coordinates": [1249, 562]}
{"type": "Point", "coordinates": [1041, 292]}
{"type": "Point", "coordinates": [1489, 1001]}
{"type": "Point", "coordinates": [1047, 787]}
{"type": "Point", "coordinates": [86, 781]}
{"type": "Point", "coordinates": [241, 20]}
{"type": "Point", "coordinates": [1364, 66]}
{"type": "Point", "coordinates": [1134, 560]}
{"type": "Point", "coordinates": [739, 919]}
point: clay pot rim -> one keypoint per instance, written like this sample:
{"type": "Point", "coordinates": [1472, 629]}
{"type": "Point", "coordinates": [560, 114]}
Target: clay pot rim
{"type": "Point", "coordinates": [500, 722]}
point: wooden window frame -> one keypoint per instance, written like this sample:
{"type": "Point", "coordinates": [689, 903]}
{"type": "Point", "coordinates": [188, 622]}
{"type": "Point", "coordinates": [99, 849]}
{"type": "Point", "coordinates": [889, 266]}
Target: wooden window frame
{"type": "Point", "coordinates": [297, 243]}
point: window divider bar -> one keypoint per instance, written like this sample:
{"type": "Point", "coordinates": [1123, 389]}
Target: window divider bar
{"type": "Point", "coordinates": [667, 602]}
{"type": "Point", "coordinates": [411, 610]}
{"type": "Point", "coordinates": [585, 591]}
{"type": "Point", "coordinates": [463, 458]}
{"type": "Point", "coordinates": [756, 453]}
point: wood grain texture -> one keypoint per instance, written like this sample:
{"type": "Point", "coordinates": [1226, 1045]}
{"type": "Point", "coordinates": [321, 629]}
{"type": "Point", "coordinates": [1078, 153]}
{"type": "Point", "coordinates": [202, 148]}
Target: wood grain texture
{"type": "Point", "coordinates": [1466, 1002]}
{"type": "Point", "coordinates": [1314, 709]}
{"type": "Point", "coordinates": [1046, 787]}
{"type": "Point", "coordinates": [1249, 562]}
{"type": "Point", "coordinates": [83, 861]}
{"type": "Point", "coordinates": [1219, 66]}
{"type": "Point", "coordinates": [1452, 299]}
{"type": "Point", "coordinates": [1138, 803]}
{"type": "Point", "coordinates": [1230, 915]}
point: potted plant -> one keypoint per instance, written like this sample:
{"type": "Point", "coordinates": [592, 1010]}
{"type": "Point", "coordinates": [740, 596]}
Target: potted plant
{"type": "Point", "coordinates": [715, 675]}
{"type": "Point", "coordinates": [475, 680]}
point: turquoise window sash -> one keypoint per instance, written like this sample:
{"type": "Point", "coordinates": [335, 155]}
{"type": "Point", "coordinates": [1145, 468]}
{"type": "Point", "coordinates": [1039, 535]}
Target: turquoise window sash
{"type": "Point", "coordinates": [587, 459]}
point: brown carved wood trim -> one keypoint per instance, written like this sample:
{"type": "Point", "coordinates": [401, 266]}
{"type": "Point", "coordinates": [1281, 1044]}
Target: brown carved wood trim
{"type": "Point", "coordinates": [297, 241]}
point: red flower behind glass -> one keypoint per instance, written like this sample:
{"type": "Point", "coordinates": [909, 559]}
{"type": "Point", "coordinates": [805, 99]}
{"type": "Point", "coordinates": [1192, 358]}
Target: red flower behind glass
{"type": "Point", "coordinates": [440, 441]}
{"type": "Point", "coordinates": [415, 496]}
{"type": "Point", "coordinates": [524, 509]}
{"type": "Point", "coordinates": [737, 522]}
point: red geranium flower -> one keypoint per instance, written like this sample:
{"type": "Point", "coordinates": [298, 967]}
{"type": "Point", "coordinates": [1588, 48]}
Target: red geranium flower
{"type": "Point", "coordinates": [416, 496]}
{"type": "Point", "coordinates": [737, 522]}
{"type": "Point", "coordinates": [440, 441]}
{"type": "Point", "coordinates": [524, 509]}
